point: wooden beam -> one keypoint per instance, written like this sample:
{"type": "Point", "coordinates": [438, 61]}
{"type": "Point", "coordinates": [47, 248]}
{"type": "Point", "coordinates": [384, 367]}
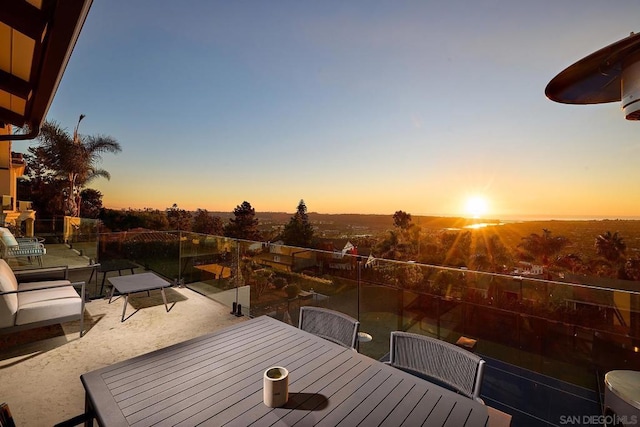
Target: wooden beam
{"type": "Point", "coordinates": [8, 116]}
{"type": "Point", "coordinates": [24, 17]}
{"type": "Point", "coordinates": [14, 85]}
{"type": "Point", "coordinates": [64, 29]}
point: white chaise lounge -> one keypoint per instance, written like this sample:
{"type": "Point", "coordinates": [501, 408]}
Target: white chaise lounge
{"type": "Point", "coordinates": [39, 297]}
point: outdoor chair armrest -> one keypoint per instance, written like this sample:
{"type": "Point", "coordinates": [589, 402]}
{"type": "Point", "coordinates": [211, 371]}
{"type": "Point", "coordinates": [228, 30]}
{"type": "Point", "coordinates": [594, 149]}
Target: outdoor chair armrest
{"type": "Point", "coordinates": [26, 245]}
{"type": "Point", "coordinates": [42, 274]}
{"type": "Point", "coordinates": [29, 242]}
{"type": "Point", "coordinates": [64, 285]}
{"type": "Point", "coordinates": [21, 240]}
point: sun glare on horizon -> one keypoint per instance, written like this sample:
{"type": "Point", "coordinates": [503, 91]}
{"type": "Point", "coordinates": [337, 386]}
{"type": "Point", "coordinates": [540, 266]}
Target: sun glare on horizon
{"type": "Point", "coordinates": [476, 206]}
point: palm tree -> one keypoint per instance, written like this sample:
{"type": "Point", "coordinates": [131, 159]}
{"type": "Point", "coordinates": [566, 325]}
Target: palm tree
{"type": "Point", "coordinates": [610, 246]}
{"type": "Point", "coordinates": [572, 262]}
{"type": "Point", "coordinates": [75, 158]}
{"type": "Point", "coordinates": [496, 252]}
{"type": "Point", "coordinates": [544, 246]}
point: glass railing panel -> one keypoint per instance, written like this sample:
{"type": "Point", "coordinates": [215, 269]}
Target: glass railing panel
{"type": "Point", "coordinates": [566, 331]}
{"type": "Point", "coordinates": [155, 251]}
{"type": "Point", "coordinates": [208, 265]}
{"type": "Point", "coordinates": [50, 230]}
{"type": "Point", "coordinates": [82, 236]}
{"type": "Point", "coordinates": [409, 297]}
{"type": "Point", "coordinates": [280, 279]}
{"type": "Point", "coordinates": [562, 330]}
{"type": "Point", "coordinates": [78, 251]}
{"type": "Point", "coordinates": [379, 316]}
{"type": "Point", "coordinates": [338, 283]}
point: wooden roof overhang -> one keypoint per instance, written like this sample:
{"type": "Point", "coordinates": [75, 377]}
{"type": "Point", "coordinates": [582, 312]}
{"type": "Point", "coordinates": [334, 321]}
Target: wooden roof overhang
{"type": "Point", "coordinates": [36, 41]}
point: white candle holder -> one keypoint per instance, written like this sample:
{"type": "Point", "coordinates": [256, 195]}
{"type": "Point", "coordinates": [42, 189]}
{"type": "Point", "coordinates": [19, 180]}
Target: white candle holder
{"type": "Point", "coordinates": [276, 386]}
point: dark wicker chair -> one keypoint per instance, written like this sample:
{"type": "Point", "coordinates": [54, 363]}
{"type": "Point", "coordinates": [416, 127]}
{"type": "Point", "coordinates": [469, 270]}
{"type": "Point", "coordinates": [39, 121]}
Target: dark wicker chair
{"type": "Point", "coordinates": [331, 325]}
{"type": "Point", "coordinates": [434, 359]}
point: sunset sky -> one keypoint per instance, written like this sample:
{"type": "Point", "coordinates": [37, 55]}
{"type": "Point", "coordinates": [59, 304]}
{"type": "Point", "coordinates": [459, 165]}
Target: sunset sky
{"type": "Point", "coordinates": [355, 107]}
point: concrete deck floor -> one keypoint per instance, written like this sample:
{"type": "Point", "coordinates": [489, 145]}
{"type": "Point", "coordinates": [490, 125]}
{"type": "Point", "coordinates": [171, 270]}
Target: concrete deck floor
{"type": "Point", "coordinates": [40, 369]}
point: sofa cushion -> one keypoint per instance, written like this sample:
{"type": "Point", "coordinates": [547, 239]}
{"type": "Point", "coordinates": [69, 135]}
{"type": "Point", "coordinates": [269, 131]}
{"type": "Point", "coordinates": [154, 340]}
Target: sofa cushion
{"type": "Point", "coordinates": [8, 303]}
{"type": "Point", "coordinates": [44, 284]}
{"type": "Point", "coordinates": [47, 304]}
{"type": "Point", "coordinates": [8, 281]}
{"type": "Point", "coordinates": [7, 237]}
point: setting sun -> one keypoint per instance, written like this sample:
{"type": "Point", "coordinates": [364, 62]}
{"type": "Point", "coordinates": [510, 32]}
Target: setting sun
{"type": "Point", "coordinates": [476, 206]}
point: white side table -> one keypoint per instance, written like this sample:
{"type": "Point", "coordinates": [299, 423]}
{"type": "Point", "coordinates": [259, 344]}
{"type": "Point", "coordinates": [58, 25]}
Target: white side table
{"type": "Point", "coordinates": [363, 337]}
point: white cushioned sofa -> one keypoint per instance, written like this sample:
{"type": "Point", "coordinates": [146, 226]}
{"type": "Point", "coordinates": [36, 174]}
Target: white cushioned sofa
{"type": "Point", "coordinates": [39, 297]}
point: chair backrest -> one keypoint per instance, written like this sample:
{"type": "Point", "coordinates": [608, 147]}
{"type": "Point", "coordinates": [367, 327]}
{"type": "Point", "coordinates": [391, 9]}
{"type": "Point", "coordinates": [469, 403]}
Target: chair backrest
{"type": "Point", "coordinates": [331, 325]}
{"type": "Point", "coordinates": [8, 302]}
{"type": "Point", "coordinates": [7, 238]}
{"type": "Point", "coordinates": [447, 363]}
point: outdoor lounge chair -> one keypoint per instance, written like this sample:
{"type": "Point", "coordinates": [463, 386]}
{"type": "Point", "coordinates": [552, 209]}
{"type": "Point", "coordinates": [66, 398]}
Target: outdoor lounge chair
{"type": "Point", "coordinates": [38, 297]}
{"type": "Point", "coordinates": [434, 359]}
{"type": "Point", "coordinates": [331, 325]}
{"type": "Point", "coordinates": [12, 247]}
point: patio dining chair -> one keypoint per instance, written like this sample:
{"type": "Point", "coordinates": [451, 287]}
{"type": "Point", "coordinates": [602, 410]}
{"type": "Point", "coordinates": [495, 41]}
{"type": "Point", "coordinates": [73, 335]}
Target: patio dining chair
{"type": "Point", "coordinates": [437, 360]}
{"type": "Point", "coordinates": [330, 325]}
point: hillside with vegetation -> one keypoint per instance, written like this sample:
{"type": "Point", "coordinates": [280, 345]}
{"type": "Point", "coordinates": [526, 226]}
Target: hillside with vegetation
{"type": "Point", "coordinates": [603, 248]}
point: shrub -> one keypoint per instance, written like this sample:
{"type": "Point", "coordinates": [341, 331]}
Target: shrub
{"type": "Point", "coordinates": [279, 282]}
{"type": "Point", "coordinates": [292, 290]}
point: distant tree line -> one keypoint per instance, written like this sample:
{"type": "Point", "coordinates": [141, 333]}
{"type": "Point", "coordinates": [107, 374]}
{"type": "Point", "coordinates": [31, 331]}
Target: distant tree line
{"type": "Point", "coordinates": [477, 250]}
{"type": "Point", "coordinates": [175, 218]}
{"type": "Point", "coordinates": [242, 225]}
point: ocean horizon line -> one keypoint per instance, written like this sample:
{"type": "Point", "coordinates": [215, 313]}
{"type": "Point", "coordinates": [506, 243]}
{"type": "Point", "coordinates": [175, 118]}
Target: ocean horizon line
{"type": "Point", "coordinates": [568, 218]}
{"type": "Point", "coordinates": [484, 218]}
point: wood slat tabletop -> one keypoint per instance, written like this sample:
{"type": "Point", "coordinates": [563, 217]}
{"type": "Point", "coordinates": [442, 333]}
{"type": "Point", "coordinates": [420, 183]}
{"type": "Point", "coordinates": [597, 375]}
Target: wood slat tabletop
{"type": "Point", "coordinates": [216, 380]}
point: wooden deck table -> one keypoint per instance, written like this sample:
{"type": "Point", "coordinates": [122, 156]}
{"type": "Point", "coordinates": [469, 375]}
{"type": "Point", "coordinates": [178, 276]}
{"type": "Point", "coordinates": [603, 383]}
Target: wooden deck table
{"type": "Point", "coordinates": [216, 380]}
